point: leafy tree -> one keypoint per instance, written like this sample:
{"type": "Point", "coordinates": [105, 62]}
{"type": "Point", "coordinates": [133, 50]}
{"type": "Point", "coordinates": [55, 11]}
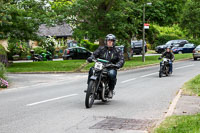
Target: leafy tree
{"type": "Point", "coordinates": [21, 19]}
{"type": "Point", "coordinates": [97, 18]}
{"type": "Point", "coordinates": [191, 18]}
{"type": "Point", "coordinates": [165, 12]}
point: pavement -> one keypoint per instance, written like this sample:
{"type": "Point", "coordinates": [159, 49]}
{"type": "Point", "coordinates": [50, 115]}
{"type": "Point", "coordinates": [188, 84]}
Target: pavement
{"type": "Point", "coordinates": [45, 103]}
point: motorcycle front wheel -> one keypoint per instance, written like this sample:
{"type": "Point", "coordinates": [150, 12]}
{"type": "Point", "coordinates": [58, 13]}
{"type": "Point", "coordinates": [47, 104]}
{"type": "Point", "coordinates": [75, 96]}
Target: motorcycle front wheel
{"type": "Point", "coordinates": [161, 72]}
{"type": "Point", "coordinates": [90, 94]}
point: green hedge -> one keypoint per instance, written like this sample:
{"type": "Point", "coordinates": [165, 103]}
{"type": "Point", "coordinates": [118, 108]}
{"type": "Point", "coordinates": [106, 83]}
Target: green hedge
{"type": "Point", "coordinates": [2, 50]}
{"type": "Point", "coordinates": [158, 35]}
{"type": "Point", "coordinates": [196, 42]}
{"type": "Point", "coordinates": [3, 55]}
{"type": "Point", "coordinates": [89, 45]}
{"type": "Point", "coordinates": [2, 71]}
{"type": "Point", "coordinates": [39, 50]}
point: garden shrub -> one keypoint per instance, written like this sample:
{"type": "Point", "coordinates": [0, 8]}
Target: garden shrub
{"type": "Point", "coordinates": [39, 50]}
{"type": "Point", "coordinates": [2, 71]}
{"type": "Point", "coordinates": [89, 45]}
{"type": "Point", "coordinates": [158, 35]}
{"type": "Point", "coordinates": [3, 55]}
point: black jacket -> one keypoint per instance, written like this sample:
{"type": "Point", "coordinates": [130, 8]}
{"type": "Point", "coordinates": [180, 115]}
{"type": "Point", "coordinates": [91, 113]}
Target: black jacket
{"type": "Point", "coordinates": [168, 55]}
{"type": "Point", "coordinates": [114, 55]}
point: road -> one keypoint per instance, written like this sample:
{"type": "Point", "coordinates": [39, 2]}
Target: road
{"type": "Point", "coordinates": [54, 103]}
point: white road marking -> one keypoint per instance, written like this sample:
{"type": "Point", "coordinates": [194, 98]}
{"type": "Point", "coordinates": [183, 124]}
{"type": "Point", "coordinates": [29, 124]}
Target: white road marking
{"type": "Point", "coordinates": [128, 80]}
{"type": "Point", "coordinates": [148, 75]}
{"type": "Point", "coordinates": [184, 67]}
{"type": "Point", "coordinates": [49, 100]}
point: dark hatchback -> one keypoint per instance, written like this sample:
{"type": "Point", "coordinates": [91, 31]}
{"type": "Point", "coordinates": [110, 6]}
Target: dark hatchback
{"type": "Point", "coordinates": [171, 43]}
{"type": "Point", "coordinates": [187, 48]}
{"type": "Point", "coordinates": [76, 53]}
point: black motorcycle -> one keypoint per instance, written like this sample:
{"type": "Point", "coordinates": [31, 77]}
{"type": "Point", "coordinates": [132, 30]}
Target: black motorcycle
{"type": "Point", "coordinates": [98, 88]}
{"type": "Point", "coordinates": [164, 67]}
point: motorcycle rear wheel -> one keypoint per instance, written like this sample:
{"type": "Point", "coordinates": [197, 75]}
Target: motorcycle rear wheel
{"type": "Point", "coordinates": [90, 94]}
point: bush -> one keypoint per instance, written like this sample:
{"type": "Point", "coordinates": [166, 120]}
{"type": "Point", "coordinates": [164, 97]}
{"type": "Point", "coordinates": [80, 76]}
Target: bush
{"type": "Point", "coordinates": [17, 47]}
{"type": "Point", "coordinates": [2, 50]}
{"type": "Point", "coordinates": [162, 39]}
{"type": "Point", "coordinates": [88, 45]}
{"type": "Point", "coordinates": [39, 50]}
{"type": "Point", "coordinates": [158, 35]}
{"type": "Point", "coordinates": [2, 71]}
{"type": "Point", "coordinates": [3, 55]}
{"type": "Point", "coordinates": [196, 42]}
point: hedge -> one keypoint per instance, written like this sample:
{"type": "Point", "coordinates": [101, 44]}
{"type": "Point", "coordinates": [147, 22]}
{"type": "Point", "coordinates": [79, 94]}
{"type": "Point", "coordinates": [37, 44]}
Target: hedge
{"type": "Point", "coordinates": [89, 45]}
{"type": "Point", "coordinates": [2, 71]}
{"type": "Point", "coordinates": [3, 55]}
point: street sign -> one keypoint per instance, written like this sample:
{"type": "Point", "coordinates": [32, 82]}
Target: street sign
{"type": "Point", "coordinates": [146, 26]}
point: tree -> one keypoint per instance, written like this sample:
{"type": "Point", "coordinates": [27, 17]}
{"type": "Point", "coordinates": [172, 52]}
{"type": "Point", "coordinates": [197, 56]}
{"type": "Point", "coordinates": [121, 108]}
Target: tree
{"type": "Point", "coordinates": [97, 18]}
{"type": "Point", "coordinates": [21, 19]}
{"type": "Point", "coordinates": [191, 18]}
{"type": "Point", "coordinates": [165, 12]}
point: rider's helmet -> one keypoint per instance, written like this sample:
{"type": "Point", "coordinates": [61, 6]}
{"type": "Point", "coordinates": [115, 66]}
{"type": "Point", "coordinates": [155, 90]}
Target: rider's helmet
{"type": "Point", "coordinates": [110, 37]}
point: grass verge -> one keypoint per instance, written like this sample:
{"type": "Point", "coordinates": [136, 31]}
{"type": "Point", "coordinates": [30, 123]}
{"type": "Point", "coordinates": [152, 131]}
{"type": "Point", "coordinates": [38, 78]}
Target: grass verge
{"type": "Point", "coordinates": [180, 124]}
{"type": "Point", "coordinates": [46, 66]}
{"type": "Point", "coordinates": [192, 87]}
{"type": "Point", "coordinates": [149, 60]}
{"type": "Point", "coordinates": [75, 65]}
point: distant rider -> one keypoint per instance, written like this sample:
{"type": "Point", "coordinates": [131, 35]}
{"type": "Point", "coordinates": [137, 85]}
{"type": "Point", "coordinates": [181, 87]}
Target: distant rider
{"type": "Point", "coordinates": [169, 55]}
{"type": "Point", "coordinates": [113, 55]}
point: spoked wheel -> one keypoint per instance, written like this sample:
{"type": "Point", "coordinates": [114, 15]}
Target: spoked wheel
{"type": "Point", "coordinates": [90, 94]}
{"type": "Point", "coordinates": [160, 74]}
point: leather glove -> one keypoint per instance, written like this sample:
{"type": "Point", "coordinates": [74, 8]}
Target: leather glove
{"type": "Point", "coordinates": [117, 66]}
{"type": "Point", "coordinates": [89, 59]}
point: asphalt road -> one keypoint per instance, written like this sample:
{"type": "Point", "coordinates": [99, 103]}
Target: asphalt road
{"type": "Point", "coordinates": [54, 103]}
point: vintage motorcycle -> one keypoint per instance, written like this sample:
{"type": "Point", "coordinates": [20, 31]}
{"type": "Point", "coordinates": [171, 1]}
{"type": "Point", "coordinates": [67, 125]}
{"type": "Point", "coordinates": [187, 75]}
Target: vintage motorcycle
{"type": "Point", "coordinates": [164, 67]}
{"type": "Point", "coordinates": [98, 88]}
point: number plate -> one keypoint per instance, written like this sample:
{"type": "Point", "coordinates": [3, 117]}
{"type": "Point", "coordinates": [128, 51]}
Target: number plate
{"type": "Point", "coordinates": [98, 66]}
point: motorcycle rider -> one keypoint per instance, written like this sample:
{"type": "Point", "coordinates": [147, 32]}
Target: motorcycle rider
{"type": "Point", "coordinates": [169, 55]}
{"type": "Point", "coordinates": [113, 55]}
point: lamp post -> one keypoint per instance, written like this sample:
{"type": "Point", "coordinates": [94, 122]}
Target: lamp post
{"type": "Point", "coordinates": [143, 38]}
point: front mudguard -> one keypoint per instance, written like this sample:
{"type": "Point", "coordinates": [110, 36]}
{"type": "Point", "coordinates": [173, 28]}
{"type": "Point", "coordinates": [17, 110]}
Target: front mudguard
{"type": "Point", "coordinates": [93, 78]}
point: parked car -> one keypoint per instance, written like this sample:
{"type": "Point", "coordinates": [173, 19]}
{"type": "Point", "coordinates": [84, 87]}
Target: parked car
{"type": "Point", "coordinates": [171, 43]}
{"type": "Point", "coordinates": [196, 53]}
{"type": "Point", "coordinates": [76, 53]}
{"type": "Point", "coordinates": [187, 48]}
{"type": "Point", "coordinates": [137, 47]}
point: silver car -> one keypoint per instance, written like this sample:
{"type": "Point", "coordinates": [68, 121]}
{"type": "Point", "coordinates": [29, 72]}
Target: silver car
{"type": "Point", "coordinates": [196, 52]}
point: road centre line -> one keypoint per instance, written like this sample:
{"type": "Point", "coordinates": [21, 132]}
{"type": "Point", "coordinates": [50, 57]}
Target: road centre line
{"type": "Point", "coordinates": [49, 100]}
{"type": "Point", "coordinates": [128, 80]}
{"type": "Point", "coordinates": [184, 66]}
{"type": "Point", "coordinates": [148, 75]}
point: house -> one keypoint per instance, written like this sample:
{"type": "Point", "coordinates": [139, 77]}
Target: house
{"type": "Point", "coordinates": [62, 33]}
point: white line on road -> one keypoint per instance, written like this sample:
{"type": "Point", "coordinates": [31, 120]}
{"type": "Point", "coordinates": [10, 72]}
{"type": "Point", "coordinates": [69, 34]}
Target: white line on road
{"type": "Point", "coordinates": [184, 66]}
{"type": "Point", "coordinates": [53, 99]}
{"type": "Point", "coordinates": [128, 80]}
{"type": "Point", "coordinates": [148, 75]}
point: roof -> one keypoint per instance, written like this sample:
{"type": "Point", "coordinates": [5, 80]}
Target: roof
{"type": "Point", "coordinates": [58, 30]}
